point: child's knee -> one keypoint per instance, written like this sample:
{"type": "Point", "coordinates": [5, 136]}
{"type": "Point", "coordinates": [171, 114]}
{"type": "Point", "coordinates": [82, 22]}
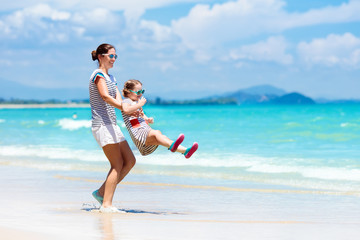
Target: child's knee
{"type": "Point", "coordinates": [158, 132]}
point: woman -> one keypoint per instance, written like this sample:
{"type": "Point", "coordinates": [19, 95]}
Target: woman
{"type": "Point", "coordinates": [104, 98]}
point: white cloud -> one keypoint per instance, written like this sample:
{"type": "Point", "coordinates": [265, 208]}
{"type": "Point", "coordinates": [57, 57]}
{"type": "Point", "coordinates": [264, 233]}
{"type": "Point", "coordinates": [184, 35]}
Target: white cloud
{"type": "Point", "coordinates": [163, 65]}
{"type": "Point", "coordinates": [159, 33]}
{"type": "Point", "coordinates": [98, 21]}
{"type": "Point", "coordinates": [133, 9]}
{"type": "Point", "coordinates": [44, 24]}
{"type": "Point", "coordinates": [271, 50]}
{"type": "Point", "coordinates": [342, 50]}
{"type": "Point", "coordinates": [346, 12]}
{"type": "Point", "coordinates": [39, 20]}
{"type": "Point", "coordinates": [41, 11]}
{"type": "Point", "coordinates": [207, 26]}
{"type": "Point", "coordinates": [201, 56]}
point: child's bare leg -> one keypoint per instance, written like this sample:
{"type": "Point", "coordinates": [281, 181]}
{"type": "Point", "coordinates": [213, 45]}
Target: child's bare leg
{"type": "Point", "coordinates": [181, 149]}
{"type": "Point", "coordinates": [155, 137]}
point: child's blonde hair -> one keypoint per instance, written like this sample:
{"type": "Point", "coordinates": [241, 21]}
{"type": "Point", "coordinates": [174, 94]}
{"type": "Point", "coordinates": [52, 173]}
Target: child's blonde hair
{"type": "Point", "coordinates": [130, 85]}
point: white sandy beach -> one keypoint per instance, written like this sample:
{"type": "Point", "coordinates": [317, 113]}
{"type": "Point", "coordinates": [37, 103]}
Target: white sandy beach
{"type": "Point", "coordinates": [58, 205]}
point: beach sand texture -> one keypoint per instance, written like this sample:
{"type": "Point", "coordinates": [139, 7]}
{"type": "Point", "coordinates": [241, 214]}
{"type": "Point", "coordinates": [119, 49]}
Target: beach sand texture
{"type": "Point", "coordinates": [54, 205]}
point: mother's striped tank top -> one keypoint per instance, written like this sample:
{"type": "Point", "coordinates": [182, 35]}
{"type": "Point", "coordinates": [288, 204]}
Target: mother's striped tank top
{"type": "Point", "coordinates": [102, 112]}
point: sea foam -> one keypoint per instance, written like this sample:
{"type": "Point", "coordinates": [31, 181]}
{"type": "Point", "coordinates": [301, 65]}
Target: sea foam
{"type": "Point", "coordinates": [47, 152]}
{"type": "Point", "coordinates": [234, 163]}
{"type": "Point", "coordinates": [72, 124]}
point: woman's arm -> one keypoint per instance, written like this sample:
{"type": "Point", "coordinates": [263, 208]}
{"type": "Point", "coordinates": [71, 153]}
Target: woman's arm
{"type": "Point", "coordinates": [118, 95]}
{"type": "Point", "coordinates": [104, 93]}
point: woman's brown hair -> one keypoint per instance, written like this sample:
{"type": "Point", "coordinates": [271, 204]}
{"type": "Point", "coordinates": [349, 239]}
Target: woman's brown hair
{"type": "Point", "coordinates": [102, 49]}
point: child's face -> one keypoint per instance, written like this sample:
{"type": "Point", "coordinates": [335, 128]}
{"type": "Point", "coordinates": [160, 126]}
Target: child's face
{"type": "Point", "coordinates": [136, 94]}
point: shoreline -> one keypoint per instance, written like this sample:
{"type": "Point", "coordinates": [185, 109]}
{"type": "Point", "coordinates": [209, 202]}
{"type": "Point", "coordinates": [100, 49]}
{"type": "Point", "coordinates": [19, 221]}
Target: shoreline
{"type": "Point", "coordinates": [45, 105]}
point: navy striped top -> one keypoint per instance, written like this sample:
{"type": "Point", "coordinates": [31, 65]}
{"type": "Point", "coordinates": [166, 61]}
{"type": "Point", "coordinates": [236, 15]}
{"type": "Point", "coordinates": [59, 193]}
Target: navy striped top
{"type": "Point", "coordinates": [102, 112]}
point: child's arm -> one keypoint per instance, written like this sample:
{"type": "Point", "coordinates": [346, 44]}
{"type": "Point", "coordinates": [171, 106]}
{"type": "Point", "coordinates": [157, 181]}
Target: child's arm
{"type": "Point", "coordinates": [129, 109]}
{"type": "Point", "coordinates": [146, 118]}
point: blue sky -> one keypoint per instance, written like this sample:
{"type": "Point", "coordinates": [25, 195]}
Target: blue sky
{"type": "Point", "coordinates": [182, 48]}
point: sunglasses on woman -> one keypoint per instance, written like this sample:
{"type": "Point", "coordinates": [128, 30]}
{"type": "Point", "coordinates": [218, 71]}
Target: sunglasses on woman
{"type": "Point", "coordinates": [110, 55]}
{"type": "Point", "coordinates": [138, 92]}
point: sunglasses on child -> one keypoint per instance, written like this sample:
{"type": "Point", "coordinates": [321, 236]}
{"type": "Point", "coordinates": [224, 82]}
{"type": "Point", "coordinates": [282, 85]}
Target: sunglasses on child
{"type": "Point", "coordinates": [138, 92]}
{"type": "Point", "coordinates": [110, 55]}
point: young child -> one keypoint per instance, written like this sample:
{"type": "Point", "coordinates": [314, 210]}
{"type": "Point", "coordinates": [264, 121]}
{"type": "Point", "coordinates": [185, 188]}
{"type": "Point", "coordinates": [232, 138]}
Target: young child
{"type": "Point", "coordinates": [145, 138]}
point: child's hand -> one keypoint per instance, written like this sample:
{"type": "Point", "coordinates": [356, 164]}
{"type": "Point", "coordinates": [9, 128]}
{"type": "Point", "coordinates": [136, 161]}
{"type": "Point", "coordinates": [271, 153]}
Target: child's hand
{"type": "Point", "coordinates": [142, 101]}
{"type": "Point", "coordinates": [150, 120]}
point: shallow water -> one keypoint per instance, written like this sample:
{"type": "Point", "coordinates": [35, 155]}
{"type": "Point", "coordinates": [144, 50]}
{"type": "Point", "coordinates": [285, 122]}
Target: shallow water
{"type": "Point", "coordinates": [315, 147]}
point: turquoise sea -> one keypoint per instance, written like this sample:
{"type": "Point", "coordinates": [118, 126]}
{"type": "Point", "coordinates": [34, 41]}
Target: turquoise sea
{"type": "Point", "coordinates": [307, 147]}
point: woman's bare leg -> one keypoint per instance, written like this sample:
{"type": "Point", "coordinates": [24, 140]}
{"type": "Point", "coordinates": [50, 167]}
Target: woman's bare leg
{"type": "Point", "coordinates": [155, 137]}
{"type": "Point", "coordinates": [113, 154]}
{"type": "Point", "coordinates": [129, 159]}
{"type": "Point", "coordinates": [126, 161]}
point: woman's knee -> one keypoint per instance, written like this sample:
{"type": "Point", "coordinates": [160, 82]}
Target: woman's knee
{"type": "Point", "coordinates": [118, 166]}
{"type": "Point", "coordinates": [128, 156]}
{"type": "Point", "coordinates": [129, 162]}
{"type": "Point", "coordinates": [132, 162]}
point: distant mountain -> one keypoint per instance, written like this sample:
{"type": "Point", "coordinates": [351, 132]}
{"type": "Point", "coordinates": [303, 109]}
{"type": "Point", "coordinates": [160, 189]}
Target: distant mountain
{"type": "Point", "coordinates": [264, 94]}
{"type": "Point", "coordinates": [12, 92]}
{"type": "Point", "coordinates": [242, 97]}
{"type": "Point", "coordinates": [293, 98]}
{"type": "Point", "coordinates": [255, 95]}
{"type": "Point", "coordinates": [263, 90]}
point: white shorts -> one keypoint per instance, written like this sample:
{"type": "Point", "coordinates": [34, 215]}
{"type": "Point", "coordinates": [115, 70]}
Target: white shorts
{"type": "Point", "coordinates": [108, 134]}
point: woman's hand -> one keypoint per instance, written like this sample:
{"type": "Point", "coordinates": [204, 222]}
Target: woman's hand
{"type": "Point", "coordinates": [138, 113]}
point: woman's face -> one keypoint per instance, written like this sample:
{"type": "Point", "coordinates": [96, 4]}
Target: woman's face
{"type": "Point", "coordinates": [133, 95]}
{"type": "Point", "coordinates": [107, 60]}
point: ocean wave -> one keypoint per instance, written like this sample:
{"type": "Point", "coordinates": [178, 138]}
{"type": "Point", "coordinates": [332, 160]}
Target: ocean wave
{"type": "Point", "coordinates": [245, 162]}
{"type": "Point", "coordinates": [347, 124]}
{"type": "Point", "coordinates": [240, 167]}
{"type": "Point", "coordinates": [48, 152]}
{"type": "Point", "coordinates": [261, 165]}
{"type": "Point", "coordinates": [323, 172]}
{"type": "Point", "coordinates": [72, 124]}
{"type": "Point", "coordinates": [317, 119]}
{"type": "Point", "coordinates": [201, 160]}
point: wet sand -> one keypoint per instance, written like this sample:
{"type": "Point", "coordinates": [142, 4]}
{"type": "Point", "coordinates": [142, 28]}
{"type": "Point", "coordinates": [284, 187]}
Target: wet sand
{"type": "Point", "coordinates": [58, 205]}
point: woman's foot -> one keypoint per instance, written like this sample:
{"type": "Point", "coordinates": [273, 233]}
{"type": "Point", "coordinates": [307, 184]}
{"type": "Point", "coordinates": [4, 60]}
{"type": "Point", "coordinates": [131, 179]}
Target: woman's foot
{"type": "Point", "coordinates": [190, 151]}
{"type": "Point", "coordinates": [97, 196]}
{"type": "Point", "coordinates": [110, 210]}
{"type": "Point", "coordinates": [174, 146]}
